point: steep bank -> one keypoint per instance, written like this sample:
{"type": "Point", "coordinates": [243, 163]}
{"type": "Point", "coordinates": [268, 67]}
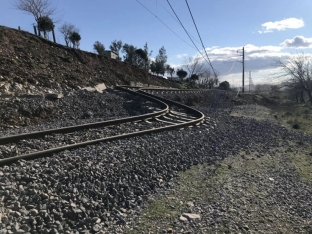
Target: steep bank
{"type": "Point", "coordinates": [29, 63]}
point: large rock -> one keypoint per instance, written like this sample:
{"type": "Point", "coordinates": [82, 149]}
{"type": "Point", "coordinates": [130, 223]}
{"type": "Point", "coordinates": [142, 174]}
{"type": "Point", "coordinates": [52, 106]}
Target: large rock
{"type": "Point", "coordinates": [98, 88]}
{"type": "Point", "coordinates": [5, 88]}
{"type": "Point", "coordinates": [191, 216]}
{"type": "Point", "coordinates": [54, 95]}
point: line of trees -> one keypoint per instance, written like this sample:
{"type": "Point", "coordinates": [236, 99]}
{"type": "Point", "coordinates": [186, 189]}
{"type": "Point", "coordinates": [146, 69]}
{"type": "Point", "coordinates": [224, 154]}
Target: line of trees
{"type": "Point", "coordinates": [140, 57]}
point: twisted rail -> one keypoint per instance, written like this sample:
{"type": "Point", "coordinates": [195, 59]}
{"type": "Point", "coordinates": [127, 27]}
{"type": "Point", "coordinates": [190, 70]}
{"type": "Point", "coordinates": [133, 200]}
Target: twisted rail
{"type": "Point", "coordinates": [199, 117]}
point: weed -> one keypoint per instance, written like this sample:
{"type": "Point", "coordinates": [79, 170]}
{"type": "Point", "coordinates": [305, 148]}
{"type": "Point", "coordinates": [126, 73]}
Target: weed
{"type": "Point", "coordinates": [65, 59]}
{"type": "Point", "coordinates": [302, 162]}
{"type": "Point", "coordinates": [42, 66]}
{"type": "Point", "coordinates": [298, 117]}
{"type": "Point", "coordinates": [32, 63]}
{"type": "Point", "coordinates": [183, 85]}
{"type": "Point", "coordinates": [19, 47]}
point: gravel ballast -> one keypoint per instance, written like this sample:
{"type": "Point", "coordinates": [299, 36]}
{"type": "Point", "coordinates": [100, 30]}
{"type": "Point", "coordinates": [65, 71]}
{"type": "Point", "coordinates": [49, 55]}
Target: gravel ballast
{"type": "Point", "coordinates": [106, 187]}
{"type": "Point", "coordinates": [33, 113]}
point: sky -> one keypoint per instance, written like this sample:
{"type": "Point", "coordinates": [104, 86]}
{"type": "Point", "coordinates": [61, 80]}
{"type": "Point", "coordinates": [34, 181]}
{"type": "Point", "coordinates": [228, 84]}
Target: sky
{"type": "Point", "coordinates": [267, 29]}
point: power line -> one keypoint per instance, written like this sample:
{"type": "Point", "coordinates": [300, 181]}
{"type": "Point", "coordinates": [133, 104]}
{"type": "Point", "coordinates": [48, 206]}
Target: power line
{"type": "Point", "coordinates": [231, 68]}
{"type": "Point", "coordinates": [174, 18]}
{"type": "Point", "coordinates": [200, 38]}
{"type": "Point", "coordinates": [186, 31]}
{"type": "Point", "coordinates": [164, 23]}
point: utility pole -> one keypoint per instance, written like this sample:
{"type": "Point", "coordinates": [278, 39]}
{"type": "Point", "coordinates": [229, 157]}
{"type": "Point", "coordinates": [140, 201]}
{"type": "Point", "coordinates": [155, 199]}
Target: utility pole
{"type": "Point", "coordinates": [243, 73]}
{"type": "Point", "coordinates": [243, 70]}
{"type": "Point", "coordinates": [249, 80]}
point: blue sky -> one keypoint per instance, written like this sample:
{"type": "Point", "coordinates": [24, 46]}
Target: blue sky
{"type": "Point", "coordinates": [268, 29]}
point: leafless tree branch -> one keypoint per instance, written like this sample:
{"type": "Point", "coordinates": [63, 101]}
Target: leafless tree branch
{"type": "Point", "coordinates": [298, 70]}
{"type": "Point", "coordinates": [37, 8]}
{"type": "Point", "coordinates": [66, 29]}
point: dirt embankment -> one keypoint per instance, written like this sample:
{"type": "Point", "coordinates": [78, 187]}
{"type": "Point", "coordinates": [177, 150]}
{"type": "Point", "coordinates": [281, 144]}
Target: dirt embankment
{"type": "Point", "coordinates": [28, 62]}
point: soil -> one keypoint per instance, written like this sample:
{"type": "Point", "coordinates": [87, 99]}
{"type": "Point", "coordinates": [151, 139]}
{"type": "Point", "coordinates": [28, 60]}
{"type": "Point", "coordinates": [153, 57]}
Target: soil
{"type": "Point", "coordinates": [29, 61]}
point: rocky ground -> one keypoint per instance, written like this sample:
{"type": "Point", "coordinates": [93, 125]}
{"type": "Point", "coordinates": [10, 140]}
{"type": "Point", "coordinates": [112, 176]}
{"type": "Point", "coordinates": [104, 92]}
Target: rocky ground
{"type": "Point", "coordinates": [234, 174]}
{"type": "Point", "coordinates": [30, 113]}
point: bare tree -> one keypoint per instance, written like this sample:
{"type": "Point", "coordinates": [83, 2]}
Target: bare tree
{"type": "Point", "coordinates": [37, 8]}
{"type": "Point", "coordinates": [207, 80]}
{"type": "Point", "coordinates": [295, 93]}
{"type": "Point", "coordinates": [274, 90]}
{"type": "Point", "coordinates": [195, 66]}
{"type": "Point", "coordinates": [66, 29]}
{"type": "Point", "coordinates": [298, 73]}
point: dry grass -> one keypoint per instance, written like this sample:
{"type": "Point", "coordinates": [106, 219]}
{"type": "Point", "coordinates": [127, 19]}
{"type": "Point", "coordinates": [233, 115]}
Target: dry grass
{"type": "Point", "coordinates": [242, 175]}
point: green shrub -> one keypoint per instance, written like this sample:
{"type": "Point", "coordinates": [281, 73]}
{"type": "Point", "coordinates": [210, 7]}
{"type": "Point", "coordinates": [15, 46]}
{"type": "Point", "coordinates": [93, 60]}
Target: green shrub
{"type": "Point", "coordinates": [42, 66]}
{"type": "Point", "coordinates": [65, 59]}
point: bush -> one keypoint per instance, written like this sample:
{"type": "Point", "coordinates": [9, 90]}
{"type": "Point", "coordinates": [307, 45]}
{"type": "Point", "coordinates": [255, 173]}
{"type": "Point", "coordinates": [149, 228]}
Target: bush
{"type": "Point", "coordinates": [224, 85]}
{"type": "Point", "coordinates": [45, 24]}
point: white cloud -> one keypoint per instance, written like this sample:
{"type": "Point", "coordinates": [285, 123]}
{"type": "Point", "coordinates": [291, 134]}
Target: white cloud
{"type": "Point", "coordinates": [268, 76]}
{"type": "Point", "coordinates": [297, 42]}
{"type": "Point", "coordinates": [290, 23]}
{"type": "Point", "coordinates": [251, 51]}
{"type": "Point", "coordinates": [260, 60]}
{"type": "Point", "coordinates": [181, 56]}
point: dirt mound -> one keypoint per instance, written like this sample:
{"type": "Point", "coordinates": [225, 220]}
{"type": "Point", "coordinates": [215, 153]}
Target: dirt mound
{"type": "Point", "coordinates": [29, 61]}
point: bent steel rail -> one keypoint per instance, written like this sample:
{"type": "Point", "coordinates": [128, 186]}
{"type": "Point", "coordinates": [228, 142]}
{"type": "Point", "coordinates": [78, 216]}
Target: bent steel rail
{"type": "Point", "coordinates": [45, 153]}
{"type": "Point", "coordinates": [15, 138]}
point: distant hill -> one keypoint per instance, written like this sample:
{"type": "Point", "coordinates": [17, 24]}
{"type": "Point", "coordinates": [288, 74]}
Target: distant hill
{"type": "Point", "coordinates": [28, 61]}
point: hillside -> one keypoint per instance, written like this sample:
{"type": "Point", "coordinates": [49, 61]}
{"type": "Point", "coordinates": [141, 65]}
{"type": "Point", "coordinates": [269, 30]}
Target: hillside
{"type": "Point", "coordinates": [31, 64]}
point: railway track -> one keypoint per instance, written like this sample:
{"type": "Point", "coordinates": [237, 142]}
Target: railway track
{"type": "Point", "coordinates": [170, 115]}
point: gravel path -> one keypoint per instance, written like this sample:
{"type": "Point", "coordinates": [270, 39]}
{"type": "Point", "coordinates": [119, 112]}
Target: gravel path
{"type": "Point", "coordinates": [108, 187]}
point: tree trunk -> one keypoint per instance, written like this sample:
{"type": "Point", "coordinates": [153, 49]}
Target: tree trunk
{"type": "Point", "coordinates": [301, 97]}
{"type": "Point", "coordinates": [310, 96]}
